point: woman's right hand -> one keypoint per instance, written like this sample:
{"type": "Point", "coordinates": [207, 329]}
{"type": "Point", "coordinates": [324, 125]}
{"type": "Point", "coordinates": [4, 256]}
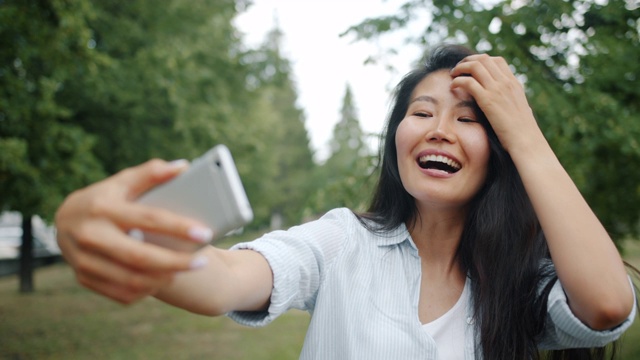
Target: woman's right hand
{"type": "Point", "coordinates": [93, 227]}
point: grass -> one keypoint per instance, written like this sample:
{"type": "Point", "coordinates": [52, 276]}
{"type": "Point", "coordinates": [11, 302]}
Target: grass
{"type": "Point", "coordinates": [62, 320]}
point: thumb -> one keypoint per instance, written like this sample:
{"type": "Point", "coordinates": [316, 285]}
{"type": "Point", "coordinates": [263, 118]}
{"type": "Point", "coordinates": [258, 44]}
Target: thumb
{"type": "Point", "coordinates": [139, 179]}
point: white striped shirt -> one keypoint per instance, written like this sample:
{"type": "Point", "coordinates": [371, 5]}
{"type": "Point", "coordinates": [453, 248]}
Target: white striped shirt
{"type": "Point", "coordinates": [362, 290]}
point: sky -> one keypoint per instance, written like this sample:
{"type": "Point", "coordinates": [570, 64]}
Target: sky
{"type": "Point", "coordinates": [324, 63]}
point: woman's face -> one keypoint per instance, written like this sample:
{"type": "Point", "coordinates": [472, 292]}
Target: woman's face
{"type": "Point", "coordinates": [442, 149]}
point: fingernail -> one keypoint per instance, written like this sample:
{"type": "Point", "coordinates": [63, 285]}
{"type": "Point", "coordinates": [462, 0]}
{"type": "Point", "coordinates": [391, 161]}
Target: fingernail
{"type": "Point", "coordinates": [136, 234]}
{"type": "Point", "coordinates": [198, 262]}
{"type": "Point", "coordinates": [200, 234]}
{"type": "Point", "coordinates": [177, 164]}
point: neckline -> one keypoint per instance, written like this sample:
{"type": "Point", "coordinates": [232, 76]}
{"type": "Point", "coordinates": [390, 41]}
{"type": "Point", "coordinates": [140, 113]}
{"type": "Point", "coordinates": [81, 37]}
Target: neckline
{"type": "Point", "coordinates": [461, 301]}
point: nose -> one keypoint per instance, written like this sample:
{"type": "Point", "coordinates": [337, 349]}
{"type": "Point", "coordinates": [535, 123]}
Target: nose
{"type": "Point", "coordinates": [442, 130]}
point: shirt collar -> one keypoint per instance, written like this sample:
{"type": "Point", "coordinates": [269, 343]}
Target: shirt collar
{"type": "Point", "coordinates": [395, 237]}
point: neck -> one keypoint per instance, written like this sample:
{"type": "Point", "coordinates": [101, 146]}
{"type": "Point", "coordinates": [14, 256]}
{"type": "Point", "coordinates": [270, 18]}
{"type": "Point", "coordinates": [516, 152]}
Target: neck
{"type": "Point", "coordinates": [437, 235]}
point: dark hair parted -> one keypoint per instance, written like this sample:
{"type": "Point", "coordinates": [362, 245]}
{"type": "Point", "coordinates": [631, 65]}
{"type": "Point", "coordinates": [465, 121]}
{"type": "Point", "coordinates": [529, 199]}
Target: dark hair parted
{"type": "Point", "coordinates": [502, 248]}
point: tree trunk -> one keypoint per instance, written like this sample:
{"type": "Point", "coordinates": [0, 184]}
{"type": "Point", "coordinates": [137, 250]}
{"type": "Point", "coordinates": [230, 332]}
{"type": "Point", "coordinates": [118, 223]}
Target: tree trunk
{"type": "Point", "coordinates": [26, 255]}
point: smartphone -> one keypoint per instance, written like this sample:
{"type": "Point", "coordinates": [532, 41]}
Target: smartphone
{"type": "Point", "coordinates": [210, 191]}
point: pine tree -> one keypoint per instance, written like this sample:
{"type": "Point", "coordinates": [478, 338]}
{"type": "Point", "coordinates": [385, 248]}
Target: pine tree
{"type": "Point", "coordinates": [347, 145]}
{"type": "Point", "coordinates": [344, 179]}
{"type": "Point", "coordinates": [286, 161]}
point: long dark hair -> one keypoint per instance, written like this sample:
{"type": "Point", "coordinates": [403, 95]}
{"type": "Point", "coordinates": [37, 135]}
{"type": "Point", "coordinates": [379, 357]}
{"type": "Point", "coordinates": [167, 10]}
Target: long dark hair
{"type": "Point", "coordinates": [509, 308]}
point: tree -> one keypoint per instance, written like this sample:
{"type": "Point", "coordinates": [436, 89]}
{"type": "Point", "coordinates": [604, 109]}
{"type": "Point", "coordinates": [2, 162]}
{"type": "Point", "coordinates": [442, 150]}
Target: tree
{"type": "Point", "coordinates": [92, 87]}
{"type": "Point", "coordinates": [348, 145]}
{"type": "Point", "coordinates": [344, 179]}
{"type": "Point", "coordinates": [43, 156]}
{"type": "Point", "coordinates": [173, 84]}
{"type": "Point", "coordinates": [285, 160]}
{"type": "Point", "coordinates": [178, 81]}
{"type": "Point", "coordinates": [574, 58]}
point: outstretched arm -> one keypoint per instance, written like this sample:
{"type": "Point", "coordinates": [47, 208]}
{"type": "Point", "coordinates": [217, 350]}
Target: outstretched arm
{"type": "Point", "coordinates": [586, 260]}
{"type": "Point", "coordinates": [93, 225]}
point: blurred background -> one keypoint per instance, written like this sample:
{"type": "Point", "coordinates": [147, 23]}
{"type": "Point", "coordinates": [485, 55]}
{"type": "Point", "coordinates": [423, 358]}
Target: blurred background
{"type": "Point", "coordinates": [298, 90]}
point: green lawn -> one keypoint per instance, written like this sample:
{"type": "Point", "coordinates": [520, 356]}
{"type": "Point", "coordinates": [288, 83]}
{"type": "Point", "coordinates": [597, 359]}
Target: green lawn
{"type": "Point", "coordinates": [61, 320]}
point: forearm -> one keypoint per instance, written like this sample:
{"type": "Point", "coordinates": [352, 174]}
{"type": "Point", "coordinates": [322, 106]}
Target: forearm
{"type": "Point", "coordinates": [231, 280]}
{"type": "Point", "coordinates": [586, 259]}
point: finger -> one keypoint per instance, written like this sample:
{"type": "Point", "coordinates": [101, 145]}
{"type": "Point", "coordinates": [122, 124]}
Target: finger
{"type": "Point", "coordinates": [112, 290]}
{"type": "Point", "coordinates": [141, 178]}
{"type": "Point", "coordinates": [483, 67]}
{"type": "Point", "coordinates": [470, 85]}
{"type": "Point", "coordinates": [474, 70]}
{"type": "Point", "coordinates": [95, 266]}
{"type": "Point", "coordinates": [130, 215]}
{"type": "Point", "coordinates": [498, 67]}
{"type": "Point", "coordinates": [67, 246]}
{"type": "Point", "coordinates": [481, 58]}
{"type": "Point", "coordinates": [503, 67]}
{"type": "Point", "coordinates": [127, 251]}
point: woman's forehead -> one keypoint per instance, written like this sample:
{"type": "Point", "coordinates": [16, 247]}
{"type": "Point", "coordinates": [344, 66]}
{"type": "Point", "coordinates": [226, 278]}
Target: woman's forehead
{"type": "Point", "coordinates": [436, 88]}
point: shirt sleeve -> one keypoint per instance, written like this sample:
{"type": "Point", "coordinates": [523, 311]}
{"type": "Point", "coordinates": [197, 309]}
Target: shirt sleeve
{"type": "Point", "coordinates": [564, 330]}
{"type": "Point", "coordinates": [298, 258]}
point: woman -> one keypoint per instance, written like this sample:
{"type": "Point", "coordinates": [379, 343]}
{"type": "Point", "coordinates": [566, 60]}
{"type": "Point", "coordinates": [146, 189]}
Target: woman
{"type": "Point", "coordinates": [453, 260]}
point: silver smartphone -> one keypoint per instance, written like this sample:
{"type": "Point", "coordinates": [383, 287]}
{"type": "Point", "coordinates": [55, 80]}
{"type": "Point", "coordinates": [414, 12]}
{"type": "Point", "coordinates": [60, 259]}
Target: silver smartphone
{"type": "Point", "coordinates": [210, 191]}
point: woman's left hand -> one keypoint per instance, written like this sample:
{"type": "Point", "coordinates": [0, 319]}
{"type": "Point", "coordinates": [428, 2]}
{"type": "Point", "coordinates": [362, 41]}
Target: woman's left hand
{"type": "Point", "coordinates": [500, 95]}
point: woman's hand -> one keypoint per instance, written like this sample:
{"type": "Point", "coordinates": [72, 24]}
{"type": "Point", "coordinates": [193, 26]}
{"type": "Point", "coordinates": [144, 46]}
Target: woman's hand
{"type": "Point", "coordinates": [501, 97]}
{"type": "Point", "coordinates": [93, 225]}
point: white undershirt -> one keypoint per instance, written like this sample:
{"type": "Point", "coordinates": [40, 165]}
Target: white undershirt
{"type": "Point", "coordinates": [448, 330]}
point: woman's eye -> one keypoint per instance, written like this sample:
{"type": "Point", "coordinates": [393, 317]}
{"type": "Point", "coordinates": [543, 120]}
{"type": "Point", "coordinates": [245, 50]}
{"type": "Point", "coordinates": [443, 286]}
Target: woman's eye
{"type": "Point", "coordinates": [467, 120]}
{"type": "Point", "coordinates": [422, 114]}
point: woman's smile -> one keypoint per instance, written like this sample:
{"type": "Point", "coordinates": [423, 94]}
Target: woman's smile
{"type": "Point", "coordinates": [438, 163]}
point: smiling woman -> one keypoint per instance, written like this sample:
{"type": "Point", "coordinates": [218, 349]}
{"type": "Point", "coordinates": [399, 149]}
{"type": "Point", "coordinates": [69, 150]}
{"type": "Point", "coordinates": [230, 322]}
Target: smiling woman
{"type": "Point", "coordinates": [476, 244]}
{"type": "Point", "coordinates": [496, 237]}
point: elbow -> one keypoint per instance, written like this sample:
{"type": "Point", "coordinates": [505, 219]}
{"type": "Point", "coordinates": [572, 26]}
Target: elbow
{"type": "Point", "coordinates": [611, 314]}
{"type": "Point", "coordinates": [221, 309]}
{"type": "Point", "coordinates": [214, 313]}
{"type": "Point", "coordinates": [211, 309]}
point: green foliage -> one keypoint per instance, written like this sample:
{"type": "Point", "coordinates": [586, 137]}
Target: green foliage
{"type": "Point", "coordinates": [91, 87]}
{"type": "Point", "coordinates": [578, 60]}
{"type": "Point", "coordinates": [282, 167]}
{"type": "Point", "coordinates": [42, 156]}
{"type": "Point", "coordinates": [344, 179]}
{"type": "Point", "coordinates": [172, 85]}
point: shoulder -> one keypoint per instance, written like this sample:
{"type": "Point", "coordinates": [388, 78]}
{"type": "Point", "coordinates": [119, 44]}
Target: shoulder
{"type": "Point", "coordinates": [321, 238]}
{"type": "Point", "coordinates": [342, 215]}
{"type": "Point", "coordinates": [357, 227]}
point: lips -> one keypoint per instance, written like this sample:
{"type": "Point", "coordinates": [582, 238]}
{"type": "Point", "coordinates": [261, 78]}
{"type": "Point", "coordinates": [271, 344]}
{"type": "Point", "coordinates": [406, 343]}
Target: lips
{"type": "Point", "coordinates": [440, 162]}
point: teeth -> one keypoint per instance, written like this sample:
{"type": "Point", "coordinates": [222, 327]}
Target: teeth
{"type": "Point", "coordinates": [440, 158]}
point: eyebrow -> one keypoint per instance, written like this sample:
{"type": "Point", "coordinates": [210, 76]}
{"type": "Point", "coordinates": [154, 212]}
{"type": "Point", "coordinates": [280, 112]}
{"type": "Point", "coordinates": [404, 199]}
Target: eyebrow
{"type": "Point", "coordinates": [462, 104]}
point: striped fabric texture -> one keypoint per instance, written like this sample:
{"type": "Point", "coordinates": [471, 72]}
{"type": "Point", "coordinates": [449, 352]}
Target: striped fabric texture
{"type": "Point", "coordinates": [362, 292]}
